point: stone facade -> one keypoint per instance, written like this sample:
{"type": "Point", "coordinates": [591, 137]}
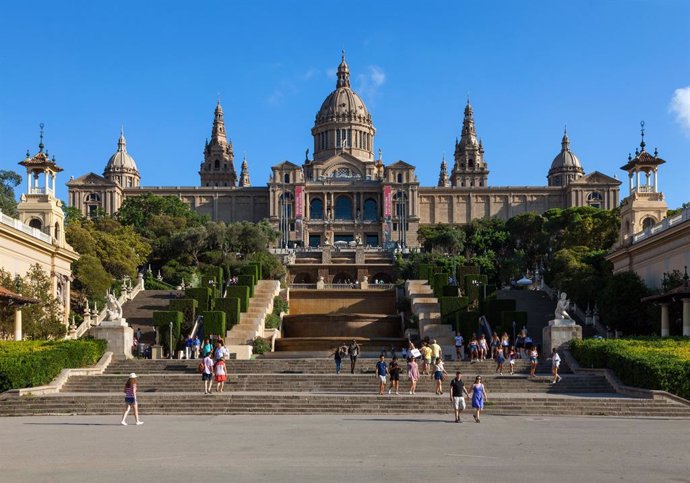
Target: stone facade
{"type": "Point", "coordinates": [346, 193]}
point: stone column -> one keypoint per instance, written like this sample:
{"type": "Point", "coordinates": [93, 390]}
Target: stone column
{"type": "Point", "coordinates": [664, 320]}
{"type": "Point", "coordinates": [686, 317]}
{"type": "Point", "coordinates": [17, 323]}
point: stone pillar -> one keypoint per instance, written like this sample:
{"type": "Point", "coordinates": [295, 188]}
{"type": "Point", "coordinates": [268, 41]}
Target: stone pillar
{"type": "Point", "coordinates": [118, 334]}
{"type": "Point", "coordinates": [17, 323]}
{"type": "Point", "coordinates": [558, 333]}
{"type": "Point", "coordinates": [664, 320]}
{"type": "Point", "coordinates": [686, 317]}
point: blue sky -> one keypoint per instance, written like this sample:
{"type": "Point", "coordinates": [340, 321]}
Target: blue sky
{"type": "Point", "coordinates": [86, 68]}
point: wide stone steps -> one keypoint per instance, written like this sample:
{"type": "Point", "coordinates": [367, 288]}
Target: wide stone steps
{"type": "Point", "coordinates": [336, 404]}
{"type": "Point", "coordinates": [344, 383]}
{"type": "Point", "coordinates": [307, 366]}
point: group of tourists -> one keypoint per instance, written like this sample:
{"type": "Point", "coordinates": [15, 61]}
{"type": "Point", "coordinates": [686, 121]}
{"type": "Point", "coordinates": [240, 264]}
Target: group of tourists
{"type": "Point", "coordinates": [212, 367]}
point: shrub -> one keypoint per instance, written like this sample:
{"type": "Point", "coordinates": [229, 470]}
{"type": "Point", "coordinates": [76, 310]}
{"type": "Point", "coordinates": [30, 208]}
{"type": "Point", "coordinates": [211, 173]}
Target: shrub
{"type": "Point", "coordinates": [203, 297]}
{"type": "Point", "coordinates": [162, 319]}
{"type": "Point", "coordinates": [212, 284]}
{"type": "Point", "coordinates": [241, 292]}
{"type": "Point", "coordinates": [231, 307]}
{"type": "Point", "coordinates": [462, 271]}
{"type": "Point", "coordinates": [450, 305]}
{"type": "Point", "coordinates": [260, 346]}
{"type": "Point", "coordinates": [247, 281]}
{"type": "Point", "coordinates": [279, 305]}
{"type": "Point", "coordinates": [272, 321]}
{"type": "Point", "coordinates": [651, 363]}
{"type": "Point", "coordinates": [473, 284]}
{"type": "Point", "coordinates": [440, 280]}
{"type": "Point", "coordinates": [35, 363]}
{"type": "Point", "coordinates": [214, 323]}
{"type": "Point", "coordinates": [425, 271]}
{"type": "Point", "coordinates": [151, 283]}
{"type": "Point", "coordinates": [450, 291]}
{"type": "Point", "coordinates": [186, 306]}
{"type": "Point", "coordinates": [467, 322]}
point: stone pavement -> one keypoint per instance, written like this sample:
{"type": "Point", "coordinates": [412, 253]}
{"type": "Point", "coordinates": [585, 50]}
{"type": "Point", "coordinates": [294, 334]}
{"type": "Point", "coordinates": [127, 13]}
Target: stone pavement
{"type": "Point", "coordinates": [343, 448]}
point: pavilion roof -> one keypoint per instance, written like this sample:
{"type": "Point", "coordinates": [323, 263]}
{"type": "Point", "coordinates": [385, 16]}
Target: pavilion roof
{"type": "Point", "coordinates": [9, 296]}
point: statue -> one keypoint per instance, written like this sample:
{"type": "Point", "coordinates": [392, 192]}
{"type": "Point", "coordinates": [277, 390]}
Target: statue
{"type": "Point", "coordinates": [113, 309]}
{"type": "Point", "coordinates": [561, 306]}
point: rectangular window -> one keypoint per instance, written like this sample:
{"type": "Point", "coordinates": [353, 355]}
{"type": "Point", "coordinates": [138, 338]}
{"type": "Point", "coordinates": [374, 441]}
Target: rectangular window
{"type": "Point", "coordinates": [337, 138]}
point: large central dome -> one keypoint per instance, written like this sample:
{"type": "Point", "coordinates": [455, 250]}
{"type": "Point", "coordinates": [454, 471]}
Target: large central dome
{"type": "Point", "coordinates": [343, 124]}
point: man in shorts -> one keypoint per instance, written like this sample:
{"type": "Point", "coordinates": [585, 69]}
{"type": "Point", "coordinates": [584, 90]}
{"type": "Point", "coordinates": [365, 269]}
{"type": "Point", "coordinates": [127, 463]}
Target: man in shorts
{"type": "Point", "coordinates": [459, 348]}
{"type": "Point", "coordinates": [207, 373]}
{"type": "Point", "coordinates": [426, 358]}
{"type": "Point", "coordinates": [555, 364]}
{"type": "Point", "coordinates": [436, 352]}
{"type": "Point", "coordinates": [457, 395]}
{"type": "Point", "coordinates": [381, 373]}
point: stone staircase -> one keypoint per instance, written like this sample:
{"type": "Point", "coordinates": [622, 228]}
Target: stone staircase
{"type": "Point", "coordinates": [309, 386]}
{"type": "Point", "coordinates": [139, 311]}
{"type": "Point", "coordinates": [428, 311]}
{"type": "Point", "coordinates": [538, 305]}
{"type": "Point", "coordinates": [251, 323]}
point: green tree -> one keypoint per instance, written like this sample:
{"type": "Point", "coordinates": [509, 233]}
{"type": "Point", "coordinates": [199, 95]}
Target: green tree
{"type": "Point", "coordinates": [8, 181]}
{"type": "Point", "coordinates": [137, 211]}
{"type": "Point", "coordinates": [621, 307]}
{"type": "Point", "coordinates": [90, 277]}
{"type": "Point", "coordinates": [447, 239]}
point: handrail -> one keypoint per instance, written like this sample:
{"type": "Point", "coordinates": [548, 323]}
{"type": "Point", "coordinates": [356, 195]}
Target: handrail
{"type": "Point", "coordinates": [195, 327]}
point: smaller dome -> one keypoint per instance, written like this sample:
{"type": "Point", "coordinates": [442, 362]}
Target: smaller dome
{"type": "Point", "coordinates": [566, 159]}
{"type": "Point", "coordinates": [121, 160]}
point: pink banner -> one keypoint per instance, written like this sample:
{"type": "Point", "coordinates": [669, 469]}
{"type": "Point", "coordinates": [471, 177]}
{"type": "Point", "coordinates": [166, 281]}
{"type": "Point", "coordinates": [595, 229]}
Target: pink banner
{"type": "Point", "coordinates": [299, 202]}
{"type": "Point", "coordinates": [387, 201]}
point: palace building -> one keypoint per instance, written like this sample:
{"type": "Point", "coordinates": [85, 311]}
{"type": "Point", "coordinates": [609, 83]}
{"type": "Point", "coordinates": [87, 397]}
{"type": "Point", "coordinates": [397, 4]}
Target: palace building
{"type": "Point", "coordinates": [345, 192]}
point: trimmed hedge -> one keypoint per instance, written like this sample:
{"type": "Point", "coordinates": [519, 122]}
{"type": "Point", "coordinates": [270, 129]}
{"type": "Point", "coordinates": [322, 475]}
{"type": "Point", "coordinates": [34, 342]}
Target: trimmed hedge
{"type": "Point", "coordinates": [450, 291]}
{"type": "Point", "coordinates": [252, 268]}
{"type": "Point", "coordinates": [467, 323]}
{"type": "Point", "coordinates": [473, 284]}
{"type": "Point", "coordinates": [247, 281]}
{"type": "Point", "coordinates": [494, 307]}
{"type": "Point", "coordinates": [439, 281]}
{"type": "Point", "coordinates": [186, 306]}
{"type": "Point", "coordinates": [231, 307]}
{"type": "Point", "coordinates": [212, 284]}
{"type": "Point", "coordinates": [203, 295]}
{"type": "Point", "coordinates": [214, 323]}
{"type": "Point", "coordinates": [425, 271]}
{"type": "Point", "coordinates": [650, 363]}
{"type": "Point", "coordinates": [162, 319]}
{"type": "Point", "coordinates": [450, 305]}
{"type": "Point", "coordinates": [31, 363]}
{"type": "Point", "coordinates": [241, 292]}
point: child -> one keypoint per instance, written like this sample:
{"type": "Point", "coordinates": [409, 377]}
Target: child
{"type": "Point", "coordinates": [221, 375]}
{"type": "Point", "coordinates": [500, 359]}
{"type": "Point", "coordinates": [131, 400]}
{"type": "Point", "coordinates": [512, 355]}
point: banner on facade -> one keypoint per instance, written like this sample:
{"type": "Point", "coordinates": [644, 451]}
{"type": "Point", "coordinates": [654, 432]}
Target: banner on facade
{"type": "Point", "coordinates": [387, 201]}
{"type": "Point", "coordinates": [299, 202]}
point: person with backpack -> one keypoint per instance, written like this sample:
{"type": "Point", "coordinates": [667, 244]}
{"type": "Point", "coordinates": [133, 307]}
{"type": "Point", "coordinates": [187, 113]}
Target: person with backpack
{"type": "Point", "coordinates": [206, 370]}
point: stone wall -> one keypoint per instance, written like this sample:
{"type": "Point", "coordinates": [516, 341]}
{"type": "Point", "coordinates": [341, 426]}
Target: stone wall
{"type": "Point", "coordinates": [346, 301]}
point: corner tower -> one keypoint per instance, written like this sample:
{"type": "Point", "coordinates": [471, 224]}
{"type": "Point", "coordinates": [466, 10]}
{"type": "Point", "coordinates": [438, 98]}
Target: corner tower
{"type": "Point", "coordinates": [645, 205]}
{"type": "Point", "coordinates": [217, 168]}
{"type": "Point", "coordinates": [343, 123]}
{"type": "Point", "coordinates": [469, 170]}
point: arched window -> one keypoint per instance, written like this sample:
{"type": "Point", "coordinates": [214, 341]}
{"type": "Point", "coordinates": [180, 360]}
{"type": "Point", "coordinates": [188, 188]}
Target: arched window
{"type": "Point", "coordinates": [370, 210]}
{"type": "Point", "coordinates": [286, 178]}
{"type": "Point", "coordinates": [57, 230]}
{"type": "Point", "coordinates": [595, 199]}
{"type": "Point", "coordinates": [400, 178]}
{"type": "Point", "coordinates": [286, 204]}
{"type": "Point", "coordinates": [470, 163]}
{"type": "Point", "coordinates": [316, 209]}
{"type": "Point", "coordinates": [648, 222]}
{"type": "Point", "coordinates": [400, 202]}
{"type": "Point", "coordinates": [216, 164]}
{"type": "Point", "coordinates": [36, 223]}
{"type": "Point", "coordinates": [343, 208]}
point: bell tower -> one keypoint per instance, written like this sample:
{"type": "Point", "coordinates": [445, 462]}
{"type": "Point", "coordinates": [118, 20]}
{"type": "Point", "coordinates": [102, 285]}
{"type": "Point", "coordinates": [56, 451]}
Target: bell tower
{"type": "Point", "coordinates": [645, 205]}
{"type": "Point", "coordinates": [217, 168]}
{"type": "Point", "coordinates": [470, 170]}
{"type": "Point", "coordinates": [39, 207]}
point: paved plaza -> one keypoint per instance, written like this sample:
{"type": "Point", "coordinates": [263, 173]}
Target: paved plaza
{"type": "Point", "coordinates": [344, 448]}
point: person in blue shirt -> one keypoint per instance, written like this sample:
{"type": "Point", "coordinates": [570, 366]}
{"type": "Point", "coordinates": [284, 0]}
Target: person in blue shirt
{"type": "Point", "coordinates": [381, 373]}
{"type": "Point", "coordinates": [196, 346]}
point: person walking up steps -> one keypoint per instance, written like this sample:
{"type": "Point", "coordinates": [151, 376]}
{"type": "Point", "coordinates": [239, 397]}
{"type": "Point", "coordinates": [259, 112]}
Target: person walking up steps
{"type": "Point", "coordinates": [131, 400]}
{"type": "Point", "coordinates": [381, 373]}
{"type": "Point", "coordinates": [338, 358]}
{"type": "Point", "coordinates": [413, 374]}
{"type": "Point", "coordinates": [555, 364]}
{"type": "Point", "coordinates": [221, 374]}
{"type": "Point", "coordinates": [457, 395]}
{"type": "Point", "coordinates": [500, 359]}
{"type": "Point", "coordinates": [439, 375]}
{"type": "Point", "coordinates": [207, 373]}
{"type": "Point", "coordinates": [478, 397]}
{"type": "Point", "coordinates": [394, 371]}
{"type": "Point", "coordinates": [354, 352]}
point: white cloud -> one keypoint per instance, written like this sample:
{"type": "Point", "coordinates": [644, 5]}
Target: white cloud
{"type": "Point", "coordinates": [311, 72]}
{"type": "Point", "coordinates": [370, 81]}
{"type": "Point", "coordinates": [680, 106]}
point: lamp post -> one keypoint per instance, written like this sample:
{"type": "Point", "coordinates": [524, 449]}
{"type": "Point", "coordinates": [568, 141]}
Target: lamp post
{"type": "Point", "coordinates": [170, 339]}
{"type": "Point", "coordinates": [513, 333]}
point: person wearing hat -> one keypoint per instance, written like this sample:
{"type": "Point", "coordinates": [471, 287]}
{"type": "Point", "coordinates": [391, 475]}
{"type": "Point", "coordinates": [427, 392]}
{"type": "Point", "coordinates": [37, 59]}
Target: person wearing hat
{"type": "Point", "coordinates": [131, 400]}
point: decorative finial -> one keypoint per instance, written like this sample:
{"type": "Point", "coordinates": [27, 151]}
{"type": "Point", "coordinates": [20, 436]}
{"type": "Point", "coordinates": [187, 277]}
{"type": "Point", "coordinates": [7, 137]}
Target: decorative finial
{"type": "Point", "coordinates": [656, 153]}
{"type": "Point", "coordinates": [629, 157]}
{"type": "Point", "coordinates": [342, 55]}
{"type": "Point", "coordinates": [642, 143]}
{"type": "Point", "coordinates": [40, 144]}
{"type": "Point", "coordinates": [28, 154]}
{"type": "Point", "coordinates": [380, 154]}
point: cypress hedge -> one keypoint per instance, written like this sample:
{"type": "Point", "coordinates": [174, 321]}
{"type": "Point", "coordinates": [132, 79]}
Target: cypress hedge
{"type": "Point", "coordinates": [247, 281]}
{"type": "Point", "coordinates": [162, 319]}
{"type": "Point", "coordinates": [214, 323]}
{"type": "Point", "coordinates": [34, 363]}
{"type": "Point", "coordinates": [188, 307]}
{"type": "Point", "coordinates": [241, 292]}
{"type": "Point", "coordinates": [203, 296]}
{"type": "Point", "coordinates": [231, 307]}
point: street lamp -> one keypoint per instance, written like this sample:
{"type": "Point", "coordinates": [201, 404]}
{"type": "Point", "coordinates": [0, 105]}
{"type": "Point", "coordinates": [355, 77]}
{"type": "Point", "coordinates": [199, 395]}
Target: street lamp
{"type": "Point", "coordinates": [514, 334]}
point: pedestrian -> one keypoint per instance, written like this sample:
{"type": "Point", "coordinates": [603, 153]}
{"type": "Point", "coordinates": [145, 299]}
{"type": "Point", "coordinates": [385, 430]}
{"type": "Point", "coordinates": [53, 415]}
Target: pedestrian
{"type": "Point", "coordinates": [483, 347]}
{"type": "Point", "coordinates": [353, 350]}
{"type": "Point", "coordinates": [131, 400]}
{"type": "Point", "coordinates": [439, 375]}
{"type": "Point", "coordinates": [505, 343]}
{"type": "Point", "coordinates": [188, 343]}
{"type": "Point", "coordinates": [479, 397]}
{"type": "Point", "coordinates": [555, 364]}
{"type": "Point", "coordinates": [381, 373]}
{"type": "Point", "coordinates": [474, 349]}
{"type": "Point", "coordinates": [413, 374]}
{"type": "Point", "coordinates": [196, 347]}
{"type": "Point", "coordinates": [436, 351]}
{"type": "Point", "coordinates": [207, 373]}
{"type": "Point", "coordinates": [533, 358]}
{"type": "Point", "coordinates": [394, 371]}
{"type": "Point", "coordinates": [500, 359]}
{"type": "Point", "coordinates": [495, 344]}
{"type": "Point", "coordinates": [457, 395]}
{"type": "Point", "coordinates": [206, 348]}
{"type": "Point", "coordinates": [512, 355]}
{"type": "Point", "coordinates": [520, 344]}
{"type": "Point", "coordinates": [337, 357]}
{"type": "Point", "coordinates": [426, 358]}
{"type": "Point", "coordinates": [139, 334]}
{"type": "Point", "coordinates": [221, 374]}
{"type": "Point", "coordinates": [224, 352]}
{"type": "Point", "coordinates": [459, 347]}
